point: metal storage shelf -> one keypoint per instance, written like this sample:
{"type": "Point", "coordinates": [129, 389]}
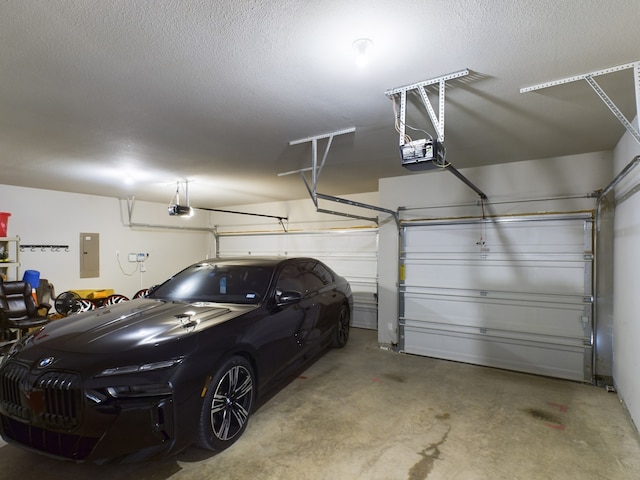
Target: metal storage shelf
{"type": "Point", "coordinates": [10, 269]}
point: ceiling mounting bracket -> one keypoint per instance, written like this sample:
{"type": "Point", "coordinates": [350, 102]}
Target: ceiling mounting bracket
{"type": "Point", "coordinates": [588, 77]}
{"type": "Point", "coordinates": [316, 169]}
{"type": "Point", "coordinates": [437, 121]}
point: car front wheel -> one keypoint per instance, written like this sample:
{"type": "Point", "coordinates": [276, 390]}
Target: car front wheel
{"type": "Point", "coordinates": [227, 405]}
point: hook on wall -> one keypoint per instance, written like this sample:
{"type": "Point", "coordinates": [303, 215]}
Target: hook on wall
{"type": "Point", "coordinates": [44, 248]}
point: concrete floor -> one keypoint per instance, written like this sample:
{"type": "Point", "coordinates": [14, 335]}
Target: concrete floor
{"type": "Point", "coordinates": [366, 413]}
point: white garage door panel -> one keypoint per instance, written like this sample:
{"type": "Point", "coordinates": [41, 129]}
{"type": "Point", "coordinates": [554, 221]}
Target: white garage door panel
{"type": "Point", "coordinates": [530, 236]}
{"type": "Point", "coordinates": [511, 354]}
{"type": "Point", "coordinates": [554, 323]}
{"type": "Point", "coordinates": [511, 294]}
{"type": "Point", "coordinates": [351, 253]}
{"type": "Point", "coordinates": [543, 275]}
{"type": "Point", "coordinates": [241, 245]}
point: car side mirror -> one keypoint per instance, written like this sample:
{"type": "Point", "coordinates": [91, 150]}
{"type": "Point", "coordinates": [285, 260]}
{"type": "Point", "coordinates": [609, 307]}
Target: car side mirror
{"type": "Point", "coordinates": [288, 298]}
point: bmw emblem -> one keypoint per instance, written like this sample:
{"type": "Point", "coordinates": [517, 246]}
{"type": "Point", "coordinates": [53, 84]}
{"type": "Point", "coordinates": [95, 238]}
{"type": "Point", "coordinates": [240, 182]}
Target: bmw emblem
{"type": "Point", "coordinates": [45, 362]}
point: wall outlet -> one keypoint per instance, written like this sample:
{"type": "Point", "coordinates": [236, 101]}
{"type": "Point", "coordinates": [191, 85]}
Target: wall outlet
{"type": "Point", "coordinates": [133, 257]}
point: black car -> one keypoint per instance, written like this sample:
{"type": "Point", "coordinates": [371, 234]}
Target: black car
{"type": "Point", "coordinates": [184, 365]}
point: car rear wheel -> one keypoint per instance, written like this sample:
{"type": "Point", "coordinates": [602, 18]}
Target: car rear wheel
{"type": "Point", "coordinates": [341, 335]}
{"type": "Point", "coordinates": [227, 405]}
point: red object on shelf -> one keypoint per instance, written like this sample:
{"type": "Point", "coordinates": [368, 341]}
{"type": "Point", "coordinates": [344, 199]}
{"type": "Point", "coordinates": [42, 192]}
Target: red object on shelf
{"type": "Point", "coordinates": [4, 220]}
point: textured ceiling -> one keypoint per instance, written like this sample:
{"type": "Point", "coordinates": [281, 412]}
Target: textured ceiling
{"type": "Point", "coordinates": [93, 92]}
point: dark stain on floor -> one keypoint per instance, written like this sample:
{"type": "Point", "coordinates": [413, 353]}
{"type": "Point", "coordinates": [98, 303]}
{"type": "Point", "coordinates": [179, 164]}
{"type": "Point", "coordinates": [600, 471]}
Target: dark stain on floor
{"type": "Point", "coordinates": [393, 377]}
{"type": "Point", "coordinates": [422, 469]}
{"type": "Point", "coordinates": [543, 416]}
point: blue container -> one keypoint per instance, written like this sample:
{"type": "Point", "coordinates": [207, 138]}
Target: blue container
{"type": "Point", "coordinates": [32, 277]}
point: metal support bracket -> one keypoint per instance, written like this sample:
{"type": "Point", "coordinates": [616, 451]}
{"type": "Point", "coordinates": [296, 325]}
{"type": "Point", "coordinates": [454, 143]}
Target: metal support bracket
{"type": "Point", "coordinates": [437, 121]}
{"type": "Point", "coordinates": [315, 176]}
{"type": "Point", "coordinates": [315, 168]}
{"type": "Point", "coordinates": [588, 77]}
{"type": "Point", "coordinates": [467, 182]}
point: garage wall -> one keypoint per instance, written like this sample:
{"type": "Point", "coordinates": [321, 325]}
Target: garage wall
{"type": "Point", "coordinates": [347, 245]}
{"type": "Point", "coordinates": [510, 187]}
{"type": "Point", "coordinates": [301, 215]}
{"type": "Point", "coordinates": [45, 217]}
{"type": "Point", "coordinates": [626, 264]}
{"type": "Point", "coordinates": [353, 253]}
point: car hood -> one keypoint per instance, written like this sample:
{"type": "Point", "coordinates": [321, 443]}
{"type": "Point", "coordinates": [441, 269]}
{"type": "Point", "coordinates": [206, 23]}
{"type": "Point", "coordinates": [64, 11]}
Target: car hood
{"type": "Point", "coordinates": [131, 324]}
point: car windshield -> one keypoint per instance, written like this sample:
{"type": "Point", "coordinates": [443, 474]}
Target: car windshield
{"type": "Point", "coordinates": [206, 282]}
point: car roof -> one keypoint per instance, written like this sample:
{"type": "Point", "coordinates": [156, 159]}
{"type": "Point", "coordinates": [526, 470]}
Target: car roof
{"type": "Point", "coordinates": [262, 261]}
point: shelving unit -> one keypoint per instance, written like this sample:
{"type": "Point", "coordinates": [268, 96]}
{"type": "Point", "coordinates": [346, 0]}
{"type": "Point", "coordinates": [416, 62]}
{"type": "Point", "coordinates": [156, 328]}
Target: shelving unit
{"type": "Point", "coordinates": [10, 258]}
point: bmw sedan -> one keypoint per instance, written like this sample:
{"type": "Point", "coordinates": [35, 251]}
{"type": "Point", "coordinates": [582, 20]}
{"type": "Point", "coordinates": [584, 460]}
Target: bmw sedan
{"type": "Point", "coordinates": [183, 366]}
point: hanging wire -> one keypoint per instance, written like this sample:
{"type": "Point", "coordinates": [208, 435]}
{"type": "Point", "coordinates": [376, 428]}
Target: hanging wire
{"type": "Point", "coordinates": [175, 200]}
{"type": "Point", "coordinates": [399, 122]}
{"type": "Point", "coordinates": [122, 269]}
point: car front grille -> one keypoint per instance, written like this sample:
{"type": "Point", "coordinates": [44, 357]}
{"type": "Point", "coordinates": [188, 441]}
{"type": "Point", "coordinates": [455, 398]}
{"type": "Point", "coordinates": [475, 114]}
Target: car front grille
{"type": "Point", "coordinates": [51, 400]}
{"type": "Point", "coordinates": [62, 399]}
{"type": "Point", "coordinates": [41, 410]}
{"type": "Point", "coordinates": [73, 447]}
{"type": "Point", "coordinates": [13, 380]}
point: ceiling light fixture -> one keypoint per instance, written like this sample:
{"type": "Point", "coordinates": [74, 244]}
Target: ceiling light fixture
{"type": "Point", "coordinates": [362, 47]}
{"type": "Point", "coordinates": [175, 209]}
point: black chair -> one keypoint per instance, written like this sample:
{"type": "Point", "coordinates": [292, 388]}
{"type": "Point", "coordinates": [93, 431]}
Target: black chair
{"type": "Point", "coordinates": [7, 337]}
{"type": "Point", "coordinates": [20, 309]}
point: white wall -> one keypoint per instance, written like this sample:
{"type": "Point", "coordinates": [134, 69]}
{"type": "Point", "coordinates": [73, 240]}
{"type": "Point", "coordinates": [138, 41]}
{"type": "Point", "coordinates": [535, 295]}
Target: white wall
{"type": "Point", "coordinates": [534, 179]}
{"type": "Point", "coordinates": [300, 214]}
{"type": "Point", "coordinates": [626, 264]}
{"type": "Point", "coordinates": [45, 217]}
{"type": "Point", "coordinates": [349, 246]}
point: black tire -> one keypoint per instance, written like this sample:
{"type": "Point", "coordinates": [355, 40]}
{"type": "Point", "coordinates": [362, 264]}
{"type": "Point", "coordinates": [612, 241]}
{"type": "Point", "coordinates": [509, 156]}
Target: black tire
{"type": "Point", "coordinates": [341, 335]}
{"type": "Point", "coordinates": [227, 405]}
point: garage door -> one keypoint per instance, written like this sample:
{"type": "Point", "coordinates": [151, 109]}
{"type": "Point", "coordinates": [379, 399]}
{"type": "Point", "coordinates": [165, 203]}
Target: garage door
{"type": "Point", "coordinates": [511, 293]}
{"type": "Point", "coordinates": [352, 253]}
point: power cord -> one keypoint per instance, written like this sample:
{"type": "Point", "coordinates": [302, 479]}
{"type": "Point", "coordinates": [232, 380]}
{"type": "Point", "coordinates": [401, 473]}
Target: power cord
{"type": "Point", "coordinates": [122, 269]}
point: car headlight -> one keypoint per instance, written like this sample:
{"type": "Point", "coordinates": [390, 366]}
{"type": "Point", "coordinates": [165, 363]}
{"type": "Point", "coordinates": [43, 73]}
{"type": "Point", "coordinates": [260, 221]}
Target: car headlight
{"type": "Point", "coordinates": [146, 367]}
{"type": "Point", "coordinates": [128, 391]}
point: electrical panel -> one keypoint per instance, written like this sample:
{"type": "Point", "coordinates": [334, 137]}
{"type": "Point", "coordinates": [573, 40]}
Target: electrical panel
{"type": "Point", "coordinates": [89, 255]}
